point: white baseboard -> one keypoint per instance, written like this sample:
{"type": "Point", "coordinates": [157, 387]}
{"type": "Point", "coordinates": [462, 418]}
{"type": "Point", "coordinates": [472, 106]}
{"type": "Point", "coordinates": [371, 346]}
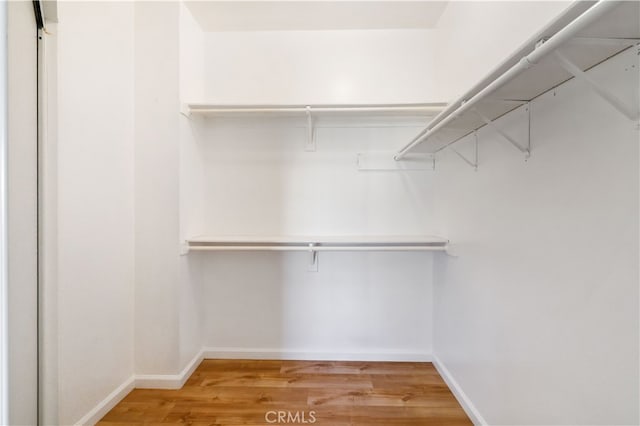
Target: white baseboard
{"type": "Point", "coordinates": [150, 381]}
{"type": "Point", "coordinates": [270, 353]}
{"type": "Point", "coordinates": [168, 381]}
{"type": "Point", "coordinates": [457, 391]}
{"type": "Point", "coordinates": [104, 406]}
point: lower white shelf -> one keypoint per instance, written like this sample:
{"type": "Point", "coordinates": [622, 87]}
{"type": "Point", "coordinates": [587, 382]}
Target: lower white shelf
{"type": "Point", "coordinates": [316, 244]}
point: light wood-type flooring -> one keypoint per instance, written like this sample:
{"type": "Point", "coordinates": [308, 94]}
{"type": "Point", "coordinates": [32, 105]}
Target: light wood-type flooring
{"type": "Point", "coordinates": [243, 392]}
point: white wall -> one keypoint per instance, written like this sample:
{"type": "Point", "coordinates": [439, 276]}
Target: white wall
{"type": "Point", "coordinates": [473, 37]}
{"type": "Point", "coordinates": [168, 288]}
{"type": "Point", "coordinates": [118, 204]}
{"type": "Point", "coordinates": [358, 306]}
{"type": "Point", "coordinates": [191, 187]}
{"type": "Point", "coordinates": [156, 187]}
{"type": "Point", "coordinates": [22, 235]}
{"type": "Point", "coordinates": [302, 67]}
{"type": "Point", "coordinates": [95, 203]}
{"type": "Point", "coordinates": [537, 319]}
{"type": "Point", "coordinates": [260, 181]}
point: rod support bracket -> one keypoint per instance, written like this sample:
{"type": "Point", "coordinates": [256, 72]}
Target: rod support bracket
{"type": "Point", "coordinates": [184, 248]}
{"type": "Point", "coordinates": [313, 259]}
{"type": "Point", "coordinates": [185, 110]}
{"type": "Point", "coordinates": [473, 163]}
{"type": "Point", "coordinates": [540, 42]}
{"type": "Point", "coordinates": [613, 100]}
{"type": "Point", "coordinates": [451, 250]}
{"type": "Point", "coordinates": [491, 124]}
{"type": "Point", "coordinates": [310, 146]}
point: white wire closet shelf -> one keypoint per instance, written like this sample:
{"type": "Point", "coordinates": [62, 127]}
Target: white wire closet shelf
{"type": "Point", "coordinates": [317, 243]}
{"type": "Point", "coordinates": [319, 110]}
{"type": "Point", "coordinates": [586, 34]}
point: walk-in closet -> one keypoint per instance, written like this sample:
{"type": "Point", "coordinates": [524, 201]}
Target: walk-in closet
{"type": "Point", "coordinates": [320, 212]}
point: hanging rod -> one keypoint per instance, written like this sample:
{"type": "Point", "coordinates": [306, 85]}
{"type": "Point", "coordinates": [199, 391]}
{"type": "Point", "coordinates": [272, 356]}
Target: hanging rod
{"type": "Point", "coordinates": [429, 108]}
{"type": "Point", "coordinates": [351, 243]}
{"type": "Point", "coordinates": [318, 248]}
{"type": "Point", "coordinates": [542, 48]}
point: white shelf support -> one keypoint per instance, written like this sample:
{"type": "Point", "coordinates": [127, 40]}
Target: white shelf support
{"type": "Point", "coordinates": [547, 43]}
{"type": "Point", "coordinates": [528, 108]}
{"type": "Point", "coordinates": [184, 248]}
{"type": "Point", "coordinates": [311, 141]}
{"type": "Point", "coordinates": [313, 261]}
{"type": "Point", "coordinates": [605, 41]}
{"type": "Point", "coordinates": [526, 151]}
{"type": "Point", "coordinates": [612, 99]}
{"type": "Point", "coordinates": [473, 163]}
{"type": "Point", "coordinates": [185, 110]}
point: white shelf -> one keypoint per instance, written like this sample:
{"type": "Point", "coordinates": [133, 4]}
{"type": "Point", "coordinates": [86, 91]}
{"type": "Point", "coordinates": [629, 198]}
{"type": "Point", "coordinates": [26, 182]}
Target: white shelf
{"type": "Point", "coordinates": [586, 34]}
{"type": "Point", "coordinates": [356, 115]}
{"type": "Point", "coordinates": [355, 110]}
{"type": "Point", "coordinates": [317, 243]}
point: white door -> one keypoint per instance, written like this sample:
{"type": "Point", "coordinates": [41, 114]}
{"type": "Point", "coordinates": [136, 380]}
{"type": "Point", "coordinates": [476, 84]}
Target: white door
{"type": "Point", "coordinates": [22, 217]}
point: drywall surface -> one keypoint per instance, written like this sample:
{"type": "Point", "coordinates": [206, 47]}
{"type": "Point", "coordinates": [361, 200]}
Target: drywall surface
{"type": "Point", "coordinates": [537, 319]}
{"type": "Point", "coordinates": [156, 187]}
{"type": "Point", "coordinates": [22, 180]}
{"type": "Point", "coordinates": [95, 203]}
{"type": "Point", "coordinates": [259, 180]}
{"type": "Point", "coordinates": [373, 306]}
{"type": "Point", "coordinates": [190, 190]}
{"type": "Point", "coordinates": [314, 67]}
{"type": "Point", "coordinates": [168, 289]}
{"type": "Point", "coordinates": [472, 37]}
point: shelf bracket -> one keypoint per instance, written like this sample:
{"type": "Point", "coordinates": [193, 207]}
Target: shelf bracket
{"type": "Point", "coordinates": [526, 151]}
{"type": "Point", "coordinates": [313, 260]}
{"type": "Point", "coordinates": [473, 163]}
{"type": "Point", "coordinates": [311, 141]}
{"type": "Point", "coordinates": [185, 110]}
{"type": "Point", "coordinates": [609, 97]}
{"type": "Point", "coordinates": [604, 41]}
{"type": "Point", "coordinates": [184, 248]}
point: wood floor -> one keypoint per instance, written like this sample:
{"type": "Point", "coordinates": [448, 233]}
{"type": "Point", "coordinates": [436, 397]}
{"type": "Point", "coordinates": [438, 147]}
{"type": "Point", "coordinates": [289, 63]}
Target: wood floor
{"type": "Point", "coordinates": [242, 392]}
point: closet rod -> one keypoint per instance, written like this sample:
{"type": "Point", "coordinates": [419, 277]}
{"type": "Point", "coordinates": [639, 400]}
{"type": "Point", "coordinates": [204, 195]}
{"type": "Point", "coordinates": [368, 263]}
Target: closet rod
{"type": "Point", "coordinates": [542, 49]}
{"type": "Point", "coordinates": [316, 248]}
{"type": "Point", "coordinates": [213, 109]}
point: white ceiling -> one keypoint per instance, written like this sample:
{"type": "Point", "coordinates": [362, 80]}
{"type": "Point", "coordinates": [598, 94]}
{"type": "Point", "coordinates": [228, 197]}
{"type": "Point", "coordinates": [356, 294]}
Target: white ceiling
{"type": "Point", "coordinates": [268, 15]}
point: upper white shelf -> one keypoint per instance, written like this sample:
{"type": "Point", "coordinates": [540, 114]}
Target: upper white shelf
{"type": "Point", "coordinates": [586, 34]}
{"type": "Point", "coordinates": [317, 243]}
{"type": "Point", "coordinates": [356, 110]}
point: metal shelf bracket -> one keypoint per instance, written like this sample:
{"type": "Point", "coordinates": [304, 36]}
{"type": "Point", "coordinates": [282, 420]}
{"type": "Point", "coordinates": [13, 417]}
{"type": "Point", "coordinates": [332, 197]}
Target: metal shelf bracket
{"type": "Point", "coordinates": [311, 142]}
{"type": "Point", "coordinates": [605, 41]}
{"type": "Point", "coordinates": [609, 97]}
{"type": "Point", "coordinates": [313, 260]}
{"type": "Point", "coordinates": [473, 163]}
{"type": "Point", "coordinates": [525, 150]}
{"type": "Point", "coordinates": [185, 110]}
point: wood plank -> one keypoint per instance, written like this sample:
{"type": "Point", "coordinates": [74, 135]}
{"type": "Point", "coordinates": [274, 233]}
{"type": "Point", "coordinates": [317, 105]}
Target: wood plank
{"type": "Point", "coordinates": [382, 398]}
{"type": "Point", "coordinates": [351, 367]}
{"type": "Point", "coordinates": [242, 392]}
